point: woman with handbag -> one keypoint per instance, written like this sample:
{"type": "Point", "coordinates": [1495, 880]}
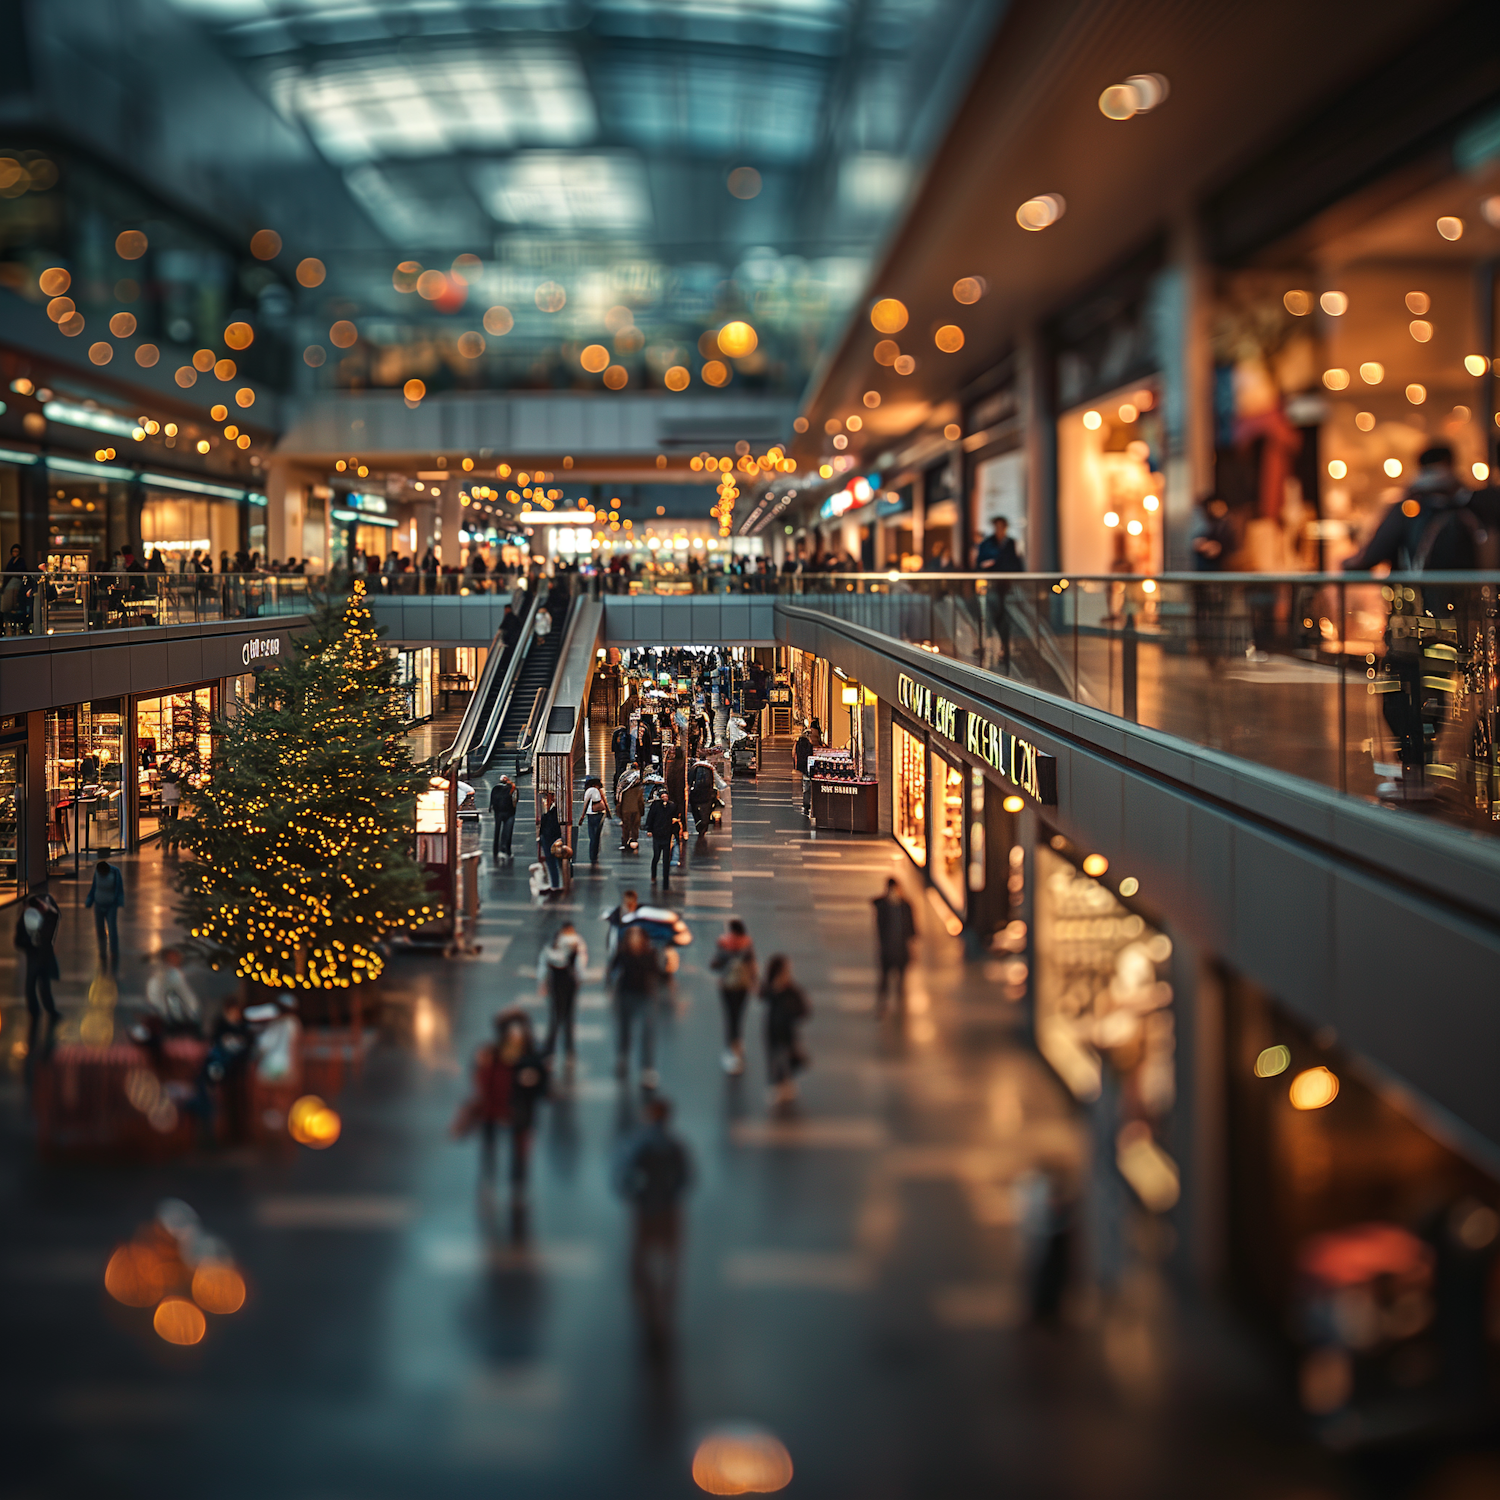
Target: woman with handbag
{"type": "Point", "coordinates": [595, 811]}
{"type": "Point", "coordinates": [787, 1008]}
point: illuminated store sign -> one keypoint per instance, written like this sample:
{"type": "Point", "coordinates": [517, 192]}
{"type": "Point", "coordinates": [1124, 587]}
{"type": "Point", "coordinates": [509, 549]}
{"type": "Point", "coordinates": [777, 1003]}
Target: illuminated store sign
{"type": "Point", "coordinates": [260, 649]}
{"type": "Point", "coordinates": [1019, 761]}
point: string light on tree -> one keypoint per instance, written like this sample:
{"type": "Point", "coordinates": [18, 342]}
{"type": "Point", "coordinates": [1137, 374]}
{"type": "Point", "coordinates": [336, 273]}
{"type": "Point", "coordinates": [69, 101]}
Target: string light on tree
{"type": "Point", "coordinates": [301, 827]}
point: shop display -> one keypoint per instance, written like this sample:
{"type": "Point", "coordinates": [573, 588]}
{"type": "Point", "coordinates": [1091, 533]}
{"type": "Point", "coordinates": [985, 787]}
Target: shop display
{"type": "Point", "coordinates": [10, 824]}
{"type": "Point", "coordinates": [165, 728]}
{"type": "Point", "coordinates": [909, 792]}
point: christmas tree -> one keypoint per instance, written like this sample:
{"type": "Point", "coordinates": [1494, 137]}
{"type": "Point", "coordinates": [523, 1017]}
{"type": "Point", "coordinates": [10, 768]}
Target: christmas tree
{"type": "Point", "coordinates": [302, 827]}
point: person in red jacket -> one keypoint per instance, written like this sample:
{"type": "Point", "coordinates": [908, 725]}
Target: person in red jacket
{"type": "Point", "coordinates": [510, 1079]}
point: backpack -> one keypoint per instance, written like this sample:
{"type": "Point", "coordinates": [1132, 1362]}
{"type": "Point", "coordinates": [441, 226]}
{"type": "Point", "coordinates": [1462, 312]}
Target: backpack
{"type": "Point", "coordinates": [702, 782]}
{"type": "Point", "coordinates": [739, 973]}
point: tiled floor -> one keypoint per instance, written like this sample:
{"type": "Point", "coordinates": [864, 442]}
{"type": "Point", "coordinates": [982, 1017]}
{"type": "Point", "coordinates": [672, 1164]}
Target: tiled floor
{"type": "Point", "coordinates": [853, 1273]}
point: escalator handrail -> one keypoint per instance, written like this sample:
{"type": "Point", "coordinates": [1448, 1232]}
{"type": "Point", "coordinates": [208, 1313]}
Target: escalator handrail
{"type": "Point", "coordinates": [494, 663]}
{"type": "Point", "coordinates": [526, 749]}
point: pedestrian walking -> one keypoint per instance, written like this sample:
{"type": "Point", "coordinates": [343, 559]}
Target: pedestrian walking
{"type": "Point", "coordinates": [503, 806]}
{"type": "Point", "coordinates": [171, 805]}
{"type": "Point", "coordinates": [653, 1173]}
{"type": "Point", "coordinates": [734, 962]}
{"type": "Point", "coordinates": [637, 972]}
{"type": "Point", "coordinates": [895, 931]}
{"type": "Point", "coordinates": [630, 804]}
{"type": "Point", "coordinates": [663, 822]}
{"type": "Point", "coordinates": [558, 972]}
{"type": "Point", "coordinates": [802, 759]}
{"type": "Point", "coordinates": [510, 1079]}
{"type": "Point", "coordinates": [786, 1009]}
{"type": "Point", "coordinates": [36, 935]}
{"type": "Point", "coordinates": [549, 835]}
{"type": "Point", "coordinates": [595, 811]}
{"type": "Point", "coordinates": [617, 918]}
{"type": "Point", "coordinates": [107, 898]}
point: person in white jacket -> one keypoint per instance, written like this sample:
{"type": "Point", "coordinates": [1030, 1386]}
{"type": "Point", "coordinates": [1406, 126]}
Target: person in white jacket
{"type": "Point", "coordinates": [559, 969]}
{"type": "Point", "coordinates": [170, 997]}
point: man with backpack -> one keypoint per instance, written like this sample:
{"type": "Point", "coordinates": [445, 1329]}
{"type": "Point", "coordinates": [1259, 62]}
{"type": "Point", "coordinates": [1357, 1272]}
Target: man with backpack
{"type": "Point", "coordinates": [620, 745]}
{"type": "Point", "coordinates": [1433, 529]}
{"type": "Point", "coordinates": [702, 795]}
{"type": "Point", "coordinates": [558, 971]}
{"type": "Point", "coordinates": [802, 759]}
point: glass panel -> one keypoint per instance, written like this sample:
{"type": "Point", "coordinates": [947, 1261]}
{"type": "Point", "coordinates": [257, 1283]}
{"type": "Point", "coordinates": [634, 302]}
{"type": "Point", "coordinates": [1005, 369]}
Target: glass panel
{"type": "Point", "coordinates": [909, 792]}
{"type": "Point", "coordinates": [948, 830]}
{"type": "Point", "coordinates": [10, 824]}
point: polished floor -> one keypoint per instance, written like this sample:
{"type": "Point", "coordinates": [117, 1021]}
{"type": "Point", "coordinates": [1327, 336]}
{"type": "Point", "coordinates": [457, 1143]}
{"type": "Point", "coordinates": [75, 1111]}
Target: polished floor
{"type": "Point", "coordinates": [853, 1276]}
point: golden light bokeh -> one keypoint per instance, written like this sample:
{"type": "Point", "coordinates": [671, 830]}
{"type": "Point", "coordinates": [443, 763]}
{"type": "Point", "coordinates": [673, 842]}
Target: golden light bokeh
{"type": "Point", "coordinates": [1041, 212]}
{"type": "Point", "coordinates": [904, 364]}
{"type": "Point", "coordinates": [466, 267]}
{"type": "Point", "coordinates": [179, 1321]}
{"type": "Point", "coordinates": [122, 325]}
{"type": "Point", "coordinates": [888, 315]}
{"type": "Point", "coordinates": [343, 334]}
{"type": "Point", "coordinates": [594, 358]}
{"type": "Point", "coordinates": [414, 390]}
{"type": "Point", "coordinates": [131, 244]}
{"type": "Point", "coordinates": [265, 244]}
{"type": "Point", "coordinates": [239, 336]}
{"type": "Point", "coordinates": [616, 377]}
{"type": "Point", "coordinates": [1313, 1088]}
{"type": "Point", "coordinates": [54, 281]}
{"type": "Point", "coordinates": [71, 327]}
{"type": "Point", "coordinates": [137, 1276]}
{"type": "Point", "coordinates": [949, 338]}
{"type": "Point", "coordinates": [311, 272]}
{"type": "Point", "coordinates": [887, 352]}
{"type": "Point", "coordinates": [186, 376]}
{"type": "Point", "coordinates": [101, 353]}
{"type": "Point", "coordinates": [218, 1288]}
{"type": "Point", "coordinates": [1298, 302]}
{"type": "Point", "coordinates": [404, 277]}
{"type": "Point", "coordinates": [498, 321]}
{"type": "Point", "coordinates": [968, 290]}
{"type": "Point", "coordinates": [715, 373]}
{"type": "Point", "coordinates": [244, 396]}
{"type": "Point", "coordinates": [744, 182]}
{"type": "Point", "coordinates": [203, 360]}
{"type": "Point", "coordinates": [147, 355]}
{"type": "Point", "coordinates": [225, 369]}
{"type": "Point", "coordinates": [471, 345]}
{"type": "Point", "coordinates": [60, 309]}
{"type": "Point", "coordinates": [741, 1461]}
{"type": "Point", "coordinates": [737, 339]}
{"type": "Point", "coordinates": [677, 378]}
{"type": "Point", "coordinates": [550, 297]}
{"type": "Point", "coordinates": [218, 412]}
{"type": "Point", "coordinates": [431, 285]}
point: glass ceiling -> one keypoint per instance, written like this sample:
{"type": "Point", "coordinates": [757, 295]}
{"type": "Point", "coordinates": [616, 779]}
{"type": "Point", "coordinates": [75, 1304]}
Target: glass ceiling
{"type": "Point", "coordinates": [665, 165]}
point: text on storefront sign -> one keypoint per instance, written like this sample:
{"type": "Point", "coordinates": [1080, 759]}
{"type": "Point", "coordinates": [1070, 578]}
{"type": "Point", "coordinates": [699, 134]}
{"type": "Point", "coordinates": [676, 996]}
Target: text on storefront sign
{"type": "Point", "coordinates": [1018, 760]}
{"type": "Point", "coordinates": [259, 648]}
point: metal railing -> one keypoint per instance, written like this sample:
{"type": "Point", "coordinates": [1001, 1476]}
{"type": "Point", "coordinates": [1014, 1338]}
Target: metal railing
{"type": "Point", "coordinates": [68, 603]}
{"type": "Point", "coordinates": [1382, 687]}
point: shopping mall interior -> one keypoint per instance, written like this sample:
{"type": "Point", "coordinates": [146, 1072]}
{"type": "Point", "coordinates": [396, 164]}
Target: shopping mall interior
{"type": "Point", "coordinates": [749, 745]}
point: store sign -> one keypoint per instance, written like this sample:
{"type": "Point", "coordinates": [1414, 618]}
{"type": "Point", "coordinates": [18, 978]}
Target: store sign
{"type": "Point", "coordinates": [781, 696]}
{"type": "Point", "coordinates": [1031, 769]}
{"type": "Point", "coordinates": [260, 648]}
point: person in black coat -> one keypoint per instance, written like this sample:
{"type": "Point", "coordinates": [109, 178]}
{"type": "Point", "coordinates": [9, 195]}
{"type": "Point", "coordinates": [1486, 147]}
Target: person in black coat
{"type": "Point", "coordinates": [786, 1009]}
{"type": "Point", "coordinates": [895, 931]}
{"type": "Point", "coordinates": [36, 932]}
{"type": "Point", "coordinates": [663, 822]}
{"type": "Point", "coordinates": [510, 628]}
{"type": "Point", "coordinates": [503, 806]}
{"type": "Point", "coordinates": [550, 832]}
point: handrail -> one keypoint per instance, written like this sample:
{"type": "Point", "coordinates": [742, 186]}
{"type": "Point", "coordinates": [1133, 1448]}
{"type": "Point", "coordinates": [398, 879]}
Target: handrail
{"type": "Point", "coordinates": [529, 733]}
{"type": "Point", "coordinates": [497, 663]}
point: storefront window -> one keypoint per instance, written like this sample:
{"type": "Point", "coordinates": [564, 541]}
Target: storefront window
{"type": "Point", "coordinates": [1110, 483]}
{"type": "Point", "coordinates": [1102, 1001]}
{"type": "Point", "coordinates": [948, 830]}
{"type": "Point", "coordinates": [61, 771]}
{"type": "Point", "coordinates": [101, 757]}
{"type": "Point", "coordinates": [10, 824]}
{"type": "Point", "coordinates": [176, 526]}
{"type": "Point", "coordinates": [909, 792]}
{"type": "Point", "coordinates": [88, 521]}
{"type": "Point", "coordinates": [164, 728]}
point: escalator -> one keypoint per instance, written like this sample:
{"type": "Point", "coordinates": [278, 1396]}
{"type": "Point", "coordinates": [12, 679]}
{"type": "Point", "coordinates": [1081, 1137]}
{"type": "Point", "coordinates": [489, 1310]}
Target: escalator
{"type": "Point", "coordinates": [487, 692]}
{"type": "Point", "coordinates": [519, 697]}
